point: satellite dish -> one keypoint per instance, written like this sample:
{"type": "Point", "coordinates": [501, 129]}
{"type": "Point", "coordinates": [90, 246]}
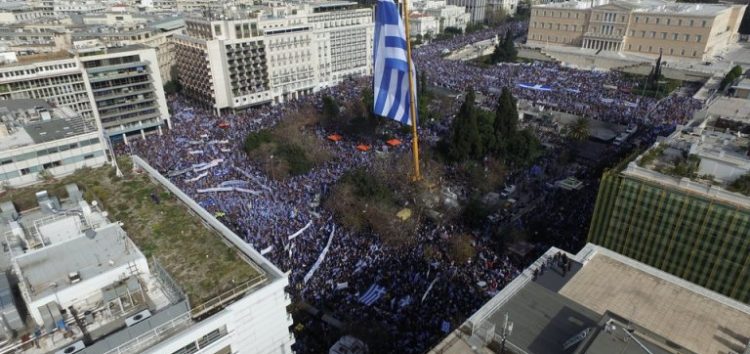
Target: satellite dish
{"type": "Point", "coordinates": [94, 203]}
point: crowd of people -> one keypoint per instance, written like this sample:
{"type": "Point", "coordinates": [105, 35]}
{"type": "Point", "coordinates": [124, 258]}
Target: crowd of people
{"type": "Point", "coordinates": [413, 296]}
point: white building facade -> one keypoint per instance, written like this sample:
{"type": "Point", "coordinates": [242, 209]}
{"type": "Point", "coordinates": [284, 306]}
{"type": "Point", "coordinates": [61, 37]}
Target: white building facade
{"type": "Point", "coordinates": [118, 88]}
{"type": "Point", "coordinates": [422, 25]}
{"type": "Point", "coordinates": [271, 55]}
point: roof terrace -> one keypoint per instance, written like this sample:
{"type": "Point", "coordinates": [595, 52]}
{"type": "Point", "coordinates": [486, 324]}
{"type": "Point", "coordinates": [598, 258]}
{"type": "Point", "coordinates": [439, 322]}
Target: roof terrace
{"type": "Point", "coordinates": [210, 270]}
{"type": "Point", "coordinates": [602, 303]}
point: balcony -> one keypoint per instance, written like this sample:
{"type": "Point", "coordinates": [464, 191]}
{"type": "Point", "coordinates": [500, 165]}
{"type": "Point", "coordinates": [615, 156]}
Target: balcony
{"type": "Point", "coordinates": [121, 112]}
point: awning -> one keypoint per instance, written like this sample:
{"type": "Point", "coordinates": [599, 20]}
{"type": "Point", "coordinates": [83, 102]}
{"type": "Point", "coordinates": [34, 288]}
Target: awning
{"type": "Point", "coordinates": [363, 147]}
{"type": "Point", "coordinates": [224, 125]}
{"type": "Point", "coordinates": [335, 137]}
{"type": "Point", "coordinates": [393, 142]}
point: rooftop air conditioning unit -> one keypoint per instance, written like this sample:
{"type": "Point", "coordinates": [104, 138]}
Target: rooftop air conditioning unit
{"type": "Point", "coordinates": [73, 348]}
{"type": "Point", "coordinates": [138, 317]}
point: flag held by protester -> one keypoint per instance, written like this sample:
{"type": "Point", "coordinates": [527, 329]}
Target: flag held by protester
{"type": "Point", "coordinates": [392, 98]}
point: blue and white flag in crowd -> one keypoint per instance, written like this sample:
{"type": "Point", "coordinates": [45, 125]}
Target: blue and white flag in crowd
{"type": "Point", "coordinates": [445, 326]}
{"type": "Point", "coordinates": [538, 87]}
{"type": "Point", "coordinates": [391, 81]}
{"type": "Point", "coordinates": [372, 295]}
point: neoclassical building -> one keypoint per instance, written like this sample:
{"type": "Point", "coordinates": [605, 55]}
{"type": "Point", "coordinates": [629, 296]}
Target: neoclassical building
{"type": "Point", "coordinates": [698, 31]}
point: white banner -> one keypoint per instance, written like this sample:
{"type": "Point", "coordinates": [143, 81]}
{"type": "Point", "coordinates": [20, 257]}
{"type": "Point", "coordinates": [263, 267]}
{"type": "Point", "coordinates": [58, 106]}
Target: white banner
{"type": "Point", "coordinates": [294, 235]}
{"type": "Point", "coordinates": [320, 258]}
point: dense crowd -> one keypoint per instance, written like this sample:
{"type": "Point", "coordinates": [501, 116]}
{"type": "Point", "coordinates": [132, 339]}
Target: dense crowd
{"type": "Point", "coordinates": [414, 298]}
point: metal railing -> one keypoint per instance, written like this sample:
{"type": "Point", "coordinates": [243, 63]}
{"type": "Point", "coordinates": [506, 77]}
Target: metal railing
{"type": "Point", "coordinates": [153, 336]}
{"type": "Point", "coordinates": [227, 296]}
{"type": "Point", "coordinates": [170, 287]}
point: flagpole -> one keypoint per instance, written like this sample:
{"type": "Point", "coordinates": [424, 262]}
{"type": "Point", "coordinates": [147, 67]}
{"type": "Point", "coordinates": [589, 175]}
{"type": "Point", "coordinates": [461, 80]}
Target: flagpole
{"type": "Point", "coordinates": [413, 100]}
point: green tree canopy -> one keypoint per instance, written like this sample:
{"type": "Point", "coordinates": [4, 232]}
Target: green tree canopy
{"type": "Point", "coordinates": [330, 108]}
{"type": "Point", "coordinates": [465, 139]}
{"type": "Point", "coordinates": [579, 130]}
{"type": "Point", "coordinates": [506, 122]}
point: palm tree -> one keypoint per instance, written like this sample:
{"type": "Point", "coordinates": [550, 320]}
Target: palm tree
{"type": "Point", "coordinates": [579, 130]}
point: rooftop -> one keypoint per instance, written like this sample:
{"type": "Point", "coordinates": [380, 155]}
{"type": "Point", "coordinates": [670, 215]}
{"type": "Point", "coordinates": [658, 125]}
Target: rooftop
{"type": "Point", "coordinates": [744, 84]}
{"type": "Point", "coordinates": [695, 318]}
{"type": "Point", "coordinates": [707, 156]}
{"type": "Point", "coordinates": [604, 303]}
{"type": "Point", "coordinates": [650, 6]}
{"type": "Point", "coordinates": [32, 121]}
{"type": "Point", "coordinates": [47, 269]}
{"type": "Point", "coordinates": [202, 263]}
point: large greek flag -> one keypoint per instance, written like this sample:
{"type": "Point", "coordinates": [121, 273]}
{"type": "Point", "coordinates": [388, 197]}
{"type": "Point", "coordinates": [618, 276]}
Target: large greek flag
{"type": "Point", "coordinates": [391, 83]}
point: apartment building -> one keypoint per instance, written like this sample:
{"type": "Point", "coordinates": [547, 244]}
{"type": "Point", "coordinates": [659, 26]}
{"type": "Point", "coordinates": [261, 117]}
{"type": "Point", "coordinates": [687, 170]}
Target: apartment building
{"type": "Point", "coordinates": [39, 141]}
{"type": "Point", "coordinates": [57, 78]}
{"type": "Point", "coordinates": [476, 8]}
{"type": "Point", "coordinates": [509, 7]}
{"type": "Point", "coordinates": [680, 30]}
{"type": "Point", "coordinates": [17, 11]}
{"type": "Point", "coordinates": [126, 87]}
{"type": "Point", "coordinates": [272, 54]}
{"type": "Point", "coordinates": [120, 89]}
{"type": "Point", "coordinates": [92, 285]}
{"type": "Point", "coordinates": [434, 16]}
{"type": "Point", "coordinates": [122, 29]}
{"type": "Point", "coordinates": [677, 207]}
{"type": "Point", "coordinates": [422, 25]}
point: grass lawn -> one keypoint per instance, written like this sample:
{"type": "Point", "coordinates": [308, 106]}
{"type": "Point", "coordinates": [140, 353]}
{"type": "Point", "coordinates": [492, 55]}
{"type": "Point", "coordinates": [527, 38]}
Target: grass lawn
{"type": "Point", "coordinates": [195, 256]}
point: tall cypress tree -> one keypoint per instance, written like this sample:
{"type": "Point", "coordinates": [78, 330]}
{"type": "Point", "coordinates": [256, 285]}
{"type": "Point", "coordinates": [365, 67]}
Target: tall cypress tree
{"type": "Point", "coordinates": [506, 122]}
{"type": "Point", "coordinates": [509, 47]}
{"type": "Point", "coordinates": [465, 140]}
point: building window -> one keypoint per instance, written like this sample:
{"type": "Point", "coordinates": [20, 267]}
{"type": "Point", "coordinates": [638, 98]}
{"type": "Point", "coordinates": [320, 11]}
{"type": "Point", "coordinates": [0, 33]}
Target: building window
{"type": "Point", "coordinates": [643, 34]}
{"type": "Point", "coordinates": [664, 35]}
{"type": "Point", "coordinates": [674, 36]}
{"type": "Point", "coordinates": [704, 23]}
{"type": "Point", "coordinates": [217, 30]}
{"type": "Point", "coordinates": [692, 22]}
{"type": "Point", "coordinates": [637, 18]}
{"type": "Point", "coordinates": [632, 33]}
{"type": "Point", "coordinates": [669, 21]}
{"type": "Point", "coordinates": [679, 22]}
{"type": "Point", "coordinates": [657, 20]}
{"type": "Point", "coordinates": [671, 51]}
{"type": "Point", "coordinates": [653, 34]}
{"type": "Point", "coordinates": [687, 38]}
{"type": "Point", "coordinates": [698, 38]}
{"type": "Point", "coordinates": [695, 53]}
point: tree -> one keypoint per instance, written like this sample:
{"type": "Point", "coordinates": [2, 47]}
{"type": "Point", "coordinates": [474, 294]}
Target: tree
{"type": "Point", "coordinates": [172, 87]}
{"type": "Point", "coordinates": [730, 77]}
{"type": "Point", "coordinates": [330, 110]}
{"type": "Point", "coordinates": [511, 54]}
{"type": "Point", "coordinates": [506, 122]}
{"type": "Point", "coordinates": [505, 51]}
{"type": "Point", "coordinates": [495, 17]}
{"type": "Point", "coordinates": [465, 141]}
{"type": "Point", "coordinates": [453, 31]}
{"type": "Point", "coordinates": [579, 130]}
{"type": "Point", "coordinates": [524, 148]}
